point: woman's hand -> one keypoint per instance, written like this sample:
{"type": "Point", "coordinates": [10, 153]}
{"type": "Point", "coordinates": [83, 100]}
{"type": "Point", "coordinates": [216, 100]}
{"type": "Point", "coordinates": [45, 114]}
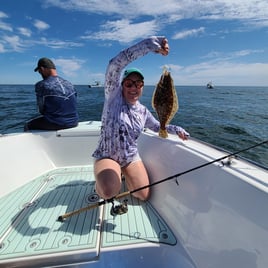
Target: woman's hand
{"type": "Point", "coordinates": [164, 47]}
{"type": "Point", "coordinates": [184, 135]}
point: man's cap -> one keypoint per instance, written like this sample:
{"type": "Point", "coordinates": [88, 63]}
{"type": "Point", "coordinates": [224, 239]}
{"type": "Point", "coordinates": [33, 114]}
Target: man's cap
{"type": "Point", "coordinates": [46, 63]}
{"type": "Point", "coordinates": [130, 71]}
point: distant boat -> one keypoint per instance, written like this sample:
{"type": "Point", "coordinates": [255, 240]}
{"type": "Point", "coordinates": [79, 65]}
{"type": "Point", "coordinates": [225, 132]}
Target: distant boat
{"type": "Point", "coordinates": [95, 84]}
{"type": "Point", "coordinates": [210, 85]}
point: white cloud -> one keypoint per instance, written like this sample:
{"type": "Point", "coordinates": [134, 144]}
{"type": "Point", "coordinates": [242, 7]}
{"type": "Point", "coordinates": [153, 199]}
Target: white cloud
{"type": "Point", "coordinates": [250, 13]}
{"type": "Point", "coordinates": [3, 15]}
{"type": "Point", "coordinates": [124, 30]}
{"type": "Point", "coordinates": [25, 31]}
{"type": "Point", "coordinates": [216, 9]}
{"type": "Point", "coordinates": [58, 44]}
{"type": "Point", "coordinates": [245, 52]}
{"type": "Point", "coordinates": [4, 26]}
{"type": "Point", "coordinates": [16, 44]}
{"type": "Point", "coordinates": [231, 55]}
{"type": "Point", "coordinates": [218, 72]}
{"type": "Point", "coordinates": [2, 49]}
{"type": "Point", "coordinates": [188, 33]}
{"type": "Point", "coordinates": [173, 67]}
{"type": "Point", "coordinates": [125, 8]}
{"type": "Point", "coordinates": [41, 25]}
{"type": "Point", "coordinates": [13, 43]}
{"type": "Point", "coordinates": [69, 66]}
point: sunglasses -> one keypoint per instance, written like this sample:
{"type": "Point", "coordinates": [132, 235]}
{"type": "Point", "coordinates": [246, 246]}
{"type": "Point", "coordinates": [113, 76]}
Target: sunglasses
{"type": "Point", "coordinates": [129, 83]}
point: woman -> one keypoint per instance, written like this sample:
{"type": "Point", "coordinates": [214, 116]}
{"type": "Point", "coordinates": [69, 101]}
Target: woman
{"type": "Point", "coordinates": [123, 120]}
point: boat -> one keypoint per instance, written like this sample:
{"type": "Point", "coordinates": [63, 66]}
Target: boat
{"type": "Point", "coordinates": [95, 84]}
{"type": "Point", "coordinates": [208, 207]}
{"type": "Point", "coordinates": [210, 85]}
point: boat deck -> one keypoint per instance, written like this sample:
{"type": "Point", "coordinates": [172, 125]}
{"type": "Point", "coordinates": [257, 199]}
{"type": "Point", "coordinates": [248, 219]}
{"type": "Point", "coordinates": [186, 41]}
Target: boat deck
{"type": "Point", "coordinates": [30, 231]}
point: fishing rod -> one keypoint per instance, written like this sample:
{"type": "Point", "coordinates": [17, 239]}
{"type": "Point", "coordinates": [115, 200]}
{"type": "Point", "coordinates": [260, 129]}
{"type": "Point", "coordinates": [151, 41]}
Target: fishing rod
{"type": "Point", "coordinates": [121, 195]}
{"type": "Point", "coordinates": [21, 123]}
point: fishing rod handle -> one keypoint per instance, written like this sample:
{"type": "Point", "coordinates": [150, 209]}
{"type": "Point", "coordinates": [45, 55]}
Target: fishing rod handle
{"type": "Point", "coordinates": [78, 211]}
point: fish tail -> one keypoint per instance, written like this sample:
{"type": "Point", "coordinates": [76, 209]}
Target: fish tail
{"type": "Point", "coordinates": [163, 133]}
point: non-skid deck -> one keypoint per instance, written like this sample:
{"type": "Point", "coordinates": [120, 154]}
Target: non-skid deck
{"type": "Point", "coordinates": [140, 224]}
{"type": "Point", "coordinates": [31, 234]}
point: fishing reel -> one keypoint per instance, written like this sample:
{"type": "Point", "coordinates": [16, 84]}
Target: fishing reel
{"type": "Point", "coordinates": [119, 209]}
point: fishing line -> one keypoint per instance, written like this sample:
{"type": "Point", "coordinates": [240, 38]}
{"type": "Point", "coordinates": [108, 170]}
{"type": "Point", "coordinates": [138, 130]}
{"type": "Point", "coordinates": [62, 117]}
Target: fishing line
{"type": "Point", "coordinates": [21, 123]}
{"type": "Point", "coordinates": [67, 215]}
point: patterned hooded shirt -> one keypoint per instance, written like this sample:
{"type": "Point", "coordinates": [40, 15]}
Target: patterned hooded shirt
{"type": "Point", "coordinates": [122, 122]}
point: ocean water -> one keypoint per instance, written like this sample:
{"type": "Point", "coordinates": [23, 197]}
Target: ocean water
{"type": "Point", "coordinates": [232, 118]}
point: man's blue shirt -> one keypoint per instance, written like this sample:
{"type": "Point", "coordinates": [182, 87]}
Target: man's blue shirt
{"type": "Point", "coordinates": [57, 101]}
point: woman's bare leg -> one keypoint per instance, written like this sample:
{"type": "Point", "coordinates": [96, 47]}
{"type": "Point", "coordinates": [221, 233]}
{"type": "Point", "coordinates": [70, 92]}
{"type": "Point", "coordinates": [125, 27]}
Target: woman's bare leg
{"type": "Point", "coordinates": [136, 177]}
{"type": "Point", "coordinates": [108, 178]}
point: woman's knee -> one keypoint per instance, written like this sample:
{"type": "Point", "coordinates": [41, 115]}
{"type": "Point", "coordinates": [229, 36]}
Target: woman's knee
{"type": "Point", "coordinates": [108, 178]}
{"type": "Point", "coordinates": [142, 194]}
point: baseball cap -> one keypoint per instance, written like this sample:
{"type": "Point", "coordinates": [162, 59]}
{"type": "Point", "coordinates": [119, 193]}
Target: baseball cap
{"type": "Point", "coordinates": [46, 63]}
{"type": "Point", "coordinates": [130, 71]}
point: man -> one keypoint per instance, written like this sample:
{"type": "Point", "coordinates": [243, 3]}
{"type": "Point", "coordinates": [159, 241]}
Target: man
{"type": "Point", "coordinates": [56, 100]}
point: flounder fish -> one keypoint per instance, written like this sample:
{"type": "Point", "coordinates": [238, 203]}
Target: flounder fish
{"type": "Point", "coordinates": [165, 101]}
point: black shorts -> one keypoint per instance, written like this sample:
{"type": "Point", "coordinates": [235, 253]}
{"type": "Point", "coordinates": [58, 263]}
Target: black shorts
{"type": "Point", "coordinates": [42, 123]}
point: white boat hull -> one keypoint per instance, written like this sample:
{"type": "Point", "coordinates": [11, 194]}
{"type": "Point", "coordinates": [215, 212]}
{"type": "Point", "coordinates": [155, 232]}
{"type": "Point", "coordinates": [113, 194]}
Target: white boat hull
{"type": "Point", "coordinates": [214, 216]}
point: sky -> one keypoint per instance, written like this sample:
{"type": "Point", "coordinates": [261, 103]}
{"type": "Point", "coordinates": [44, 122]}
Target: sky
{"type": "Point", "coordinates": [223, 41]}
